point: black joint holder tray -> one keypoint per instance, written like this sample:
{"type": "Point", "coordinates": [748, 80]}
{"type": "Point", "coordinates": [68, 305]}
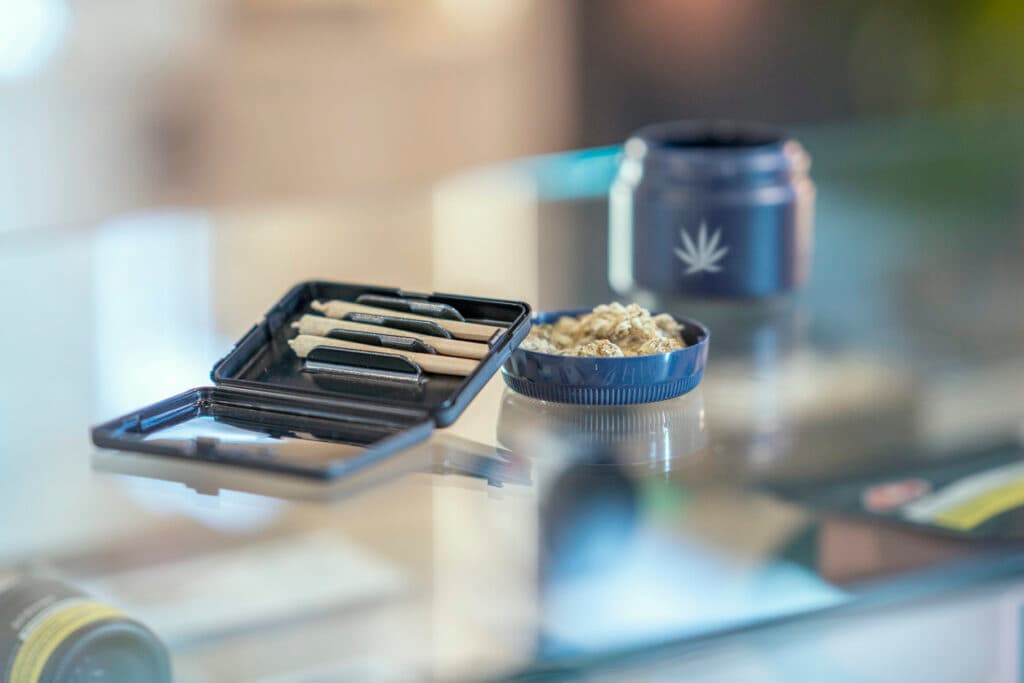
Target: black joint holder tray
{"type": "Point", "coordinates": [324, 416]}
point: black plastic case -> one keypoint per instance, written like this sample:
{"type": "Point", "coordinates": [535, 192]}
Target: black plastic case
{"type": "Point", "coordinates": [266, 411]}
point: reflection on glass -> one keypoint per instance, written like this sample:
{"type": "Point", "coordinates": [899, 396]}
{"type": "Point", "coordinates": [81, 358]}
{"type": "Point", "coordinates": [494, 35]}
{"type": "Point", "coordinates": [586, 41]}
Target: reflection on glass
{"type": "Point", "coordinates": [297, 448]}
{"type": "Point", "coordinates": [632, 556]}
{"type": "Point", "coordinates": [232, 512]}
{"type": "Point", "coordinates": [654, 434]}
{"type": "Point", "coordinates": [809, 413]}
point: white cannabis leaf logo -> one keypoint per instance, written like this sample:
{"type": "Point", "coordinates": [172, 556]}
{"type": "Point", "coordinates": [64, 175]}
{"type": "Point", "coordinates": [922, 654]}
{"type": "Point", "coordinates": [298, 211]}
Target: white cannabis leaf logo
{"type": "Point", "coordinates": [704, 256]}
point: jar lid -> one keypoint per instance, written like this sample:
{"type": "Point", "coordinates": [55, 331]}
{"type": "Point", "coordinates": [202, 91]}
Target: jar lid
{"type": "Point", "coordinates": [726, 151]}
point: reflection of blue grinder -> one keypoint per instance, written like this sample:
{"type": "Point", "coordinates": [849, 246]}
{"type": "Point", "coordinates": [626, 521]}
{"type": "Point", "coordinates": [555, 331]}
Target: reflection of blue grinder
{"type": "Point", "coordinates": [711, 210]}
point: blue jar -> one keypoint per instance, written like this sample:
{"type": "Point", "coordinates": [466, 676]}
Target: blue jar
{"type": "Point", "coordinates": [711, 209]}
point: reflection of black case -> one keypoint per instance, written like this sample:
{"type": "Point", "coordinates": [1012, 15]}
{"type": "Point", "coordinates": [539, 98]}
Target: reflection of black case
{"type": "Point", "coordinates": [377, 400]}
{"type": "Point", "coordinates": [847, 497]}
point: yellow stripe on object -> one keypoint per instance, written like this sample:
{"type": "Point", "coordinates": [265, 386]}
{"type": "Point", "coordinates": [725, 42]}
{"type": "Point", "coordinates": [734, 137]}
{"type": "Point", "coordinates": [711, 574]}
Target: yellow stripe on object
{"type": "Point", "coordinates": [979, 509]}
{"type": "Point", "coordinates": [50, 632]}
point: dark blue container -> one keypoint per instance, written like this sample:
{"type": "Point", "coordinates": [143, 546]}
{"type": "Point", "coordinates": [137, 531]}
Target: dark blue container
{"type": "Point", "coordinates": [712, 209]}
{"type": "Point", "coordinates": [608, 381]}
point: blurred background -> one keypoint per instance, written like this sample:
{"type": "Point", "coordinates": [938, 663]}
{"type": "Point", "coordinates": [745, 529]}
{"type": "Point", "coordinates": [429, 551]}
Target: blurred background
{"type": "Point", "coordinates": [162, 155]}
{"type": "Point", "coordinates": [169, 167]}
{"type": "Point", "coordinates": [108, 107]}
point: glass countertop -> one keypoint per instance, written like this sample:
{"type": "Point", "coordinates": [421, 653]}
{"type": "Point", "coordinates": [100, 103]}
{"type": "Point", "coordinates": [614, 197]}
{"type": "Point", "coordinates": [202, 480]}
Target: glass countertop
{"type": "Point", "coordinates": [533, 539]}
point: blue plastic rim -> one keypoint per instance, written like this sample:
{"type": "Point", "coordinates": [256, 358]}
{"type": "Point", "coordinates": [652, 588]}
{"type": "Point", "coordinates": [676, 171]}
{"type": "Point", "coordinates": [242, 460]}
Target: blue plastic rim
{"type": "Point", "coordinates": [609, 381]}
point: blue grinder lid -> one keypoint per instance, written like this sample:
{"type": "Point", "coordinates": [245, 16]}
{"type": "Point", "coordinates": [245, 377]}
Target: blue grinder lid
{"type": "Point", "coordinates": [609, 381]}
